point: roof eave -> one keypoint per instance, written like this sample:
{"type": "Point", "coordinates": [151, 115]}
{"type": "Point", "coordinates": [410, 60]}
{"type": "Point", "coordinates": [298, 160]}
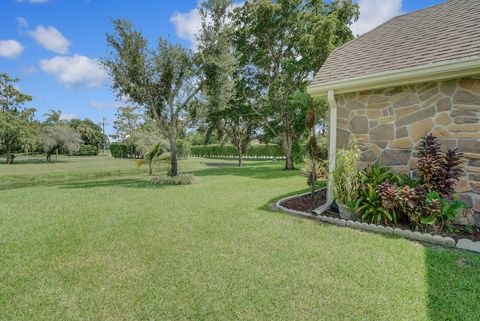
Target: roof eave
{"type": "Point", "coordinates": [444, 70]}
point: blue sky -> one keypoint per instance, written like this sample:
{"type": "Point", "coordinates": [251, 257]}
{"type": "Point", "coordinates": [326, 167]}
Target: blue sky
{"type": "Point", "coordinates": [52, 45]}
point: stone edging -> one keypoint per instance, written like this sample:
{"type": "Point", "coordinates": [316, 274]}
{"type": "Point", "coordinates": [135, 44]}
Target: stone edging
{"type": "Point", "coordinates": [464, 244]}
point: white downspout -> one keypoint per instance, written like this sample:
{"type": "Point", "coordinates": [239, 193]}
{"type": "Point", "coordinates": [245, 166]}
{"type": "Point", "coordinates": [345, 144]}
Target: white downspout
{"type": "Point", "coordinates": [332, 133]}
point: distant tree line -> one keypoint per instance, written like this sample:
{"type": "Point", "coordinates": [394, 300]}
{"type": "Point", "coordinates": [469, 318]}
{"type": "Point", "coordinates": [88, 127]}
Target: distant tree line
{"type": "Point", "coordinates": [20, 132]}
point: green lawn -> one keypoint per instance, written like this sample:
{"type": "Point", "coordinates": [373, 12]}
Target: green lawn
{"type": "Point", "coordinates": [29, 170]}
{"type": "Point", "coordinates": [117, 248]}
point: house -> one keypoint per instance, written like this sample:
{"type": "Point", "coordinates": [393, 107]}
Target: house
{"type": "Point", "coordinates": [417, 73]}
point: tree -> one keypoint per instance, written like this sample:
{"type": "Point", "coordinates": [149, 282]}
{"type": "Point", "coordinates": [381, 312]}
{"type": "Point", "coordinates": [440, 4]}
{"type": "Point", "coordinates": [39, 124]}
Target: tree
{"type": "Point", "coordinates": [284, 43]}
{"type": "Point", "coordinates": [58, 137]}
{"type": "Point", "coordinates": [15, 120]}
{"type": "Point", "coordinates": [53, 117]}
{"type": "Point", "coordinates": [164, 81]}
{"type": "Point", "coordinates": [90, 133]}
{"type": "Point", "coordinates": [315, 111]}
{"type": "Point", "coordinates": [217, 60]}
{"type": "Point", "coordinates": [126, 121]}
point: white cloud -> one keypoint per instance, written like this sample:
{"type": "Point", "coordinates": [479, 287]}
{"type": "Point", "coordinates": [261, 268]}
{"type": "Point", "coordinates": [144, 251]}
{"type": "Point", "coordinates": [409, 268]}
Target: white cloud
{"type": "Point", "coordinates": [10, 49]}
{"type": "Point", "coordinates": [22, 22]}
{"type": "Point", "coordinates": [102, 106]}
{"type": "Point", "coordinates": [75, 71]}
{"type": "Point", "coordinates": [50, 38]}
{"type": "Point", "coordinates": [68, 116]}
{"type": "Point", "coordinates": [188, 24]}
{"type": "Point", "coordinates": [375, 12]}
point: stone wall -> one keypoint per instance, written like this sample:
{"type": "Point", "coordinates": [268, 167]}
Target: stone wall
{"type": "Point", "coordinates": [389, 123]}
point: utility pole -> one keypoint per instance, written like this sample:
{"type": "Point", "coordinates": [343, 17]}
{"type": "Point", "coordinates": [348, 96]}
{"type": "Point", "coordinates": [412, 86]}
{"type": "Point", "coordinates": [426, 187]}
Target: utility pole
{"type": "Point", "coordinates": [103, 127]}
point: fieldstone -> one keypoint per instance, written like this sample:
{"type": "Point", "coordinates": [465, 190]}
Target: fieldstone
{"type": "Point", "coordinates": [444, 104]}
{"type": "Point", "coordinates": [421, 128]}
{"type": "Point", "coordinates": [432, 101]}
{"type": "Point", "coordinates": [469, 146]}
{"type": "Point", "coordinates": [377, 99]}
{"type": "Point", "coordinates": [343, 112]}
{"type": "Point", "coordinates": [447, 144]}
{"type": "Point", "coordinates": [393, 91]}
{"type": "Point", "coordinates": [467, 199]}
{"type": "Point", "coordinates": [368, 156]}
{"type": "Point", "coordinates": [396, 156]}
{"type": "Point", "coordinates": [470, 84]}
{"type": "Point", "coordinates": [463, 120]}
{"type": "Point", "coordinates": [359, 125]}
{"type": "Point", "coordinates": [441, 132]}
{"type": "Point", "coordinates": [471, 108]}
{"type": "Point", "coordinates": [402, 112]}
{"type": "Point", "coordinates": [350, 96]}
{"type": "Point", "coordinates": [449, 242]}
{"type": "Point", "coordinates": [401, 132]}
{"type": "Point", "coordinates": [443, 119]}
{"type": "Point", "coordinates": [343, 138]}
{"type": "Point", "coordinates": [355, 104]}
{"type": "Point", "coordinates": [380, 143]}
{"type": "Point", "coordinates": [408, 100]}
{"type": "Point", "coordinates": [374, 113]}
{"type": "Point", "coordinates": [472, 135]}
{"type": "Point", "coordinates": [448, 87]}
{"type": "Point", "coordinates": [428, 91]}
{"type": "Point", "coordinates": [402, 143]}
{"type": "Point", "coordinates": [386, 120]}
{"type": "Point", "coordinates": [463, 113]}
{"type": "Point", "coordinates": [474, 177]}
{"type": "Point", "coordinates": [462, 185]}
{"type": "Point", "coordinates": [415, 117]}
{"type": "Point", "coordinates": [474, 162]}
{"type": "Point", "coordinates": [466, 98]}
{"type": "Point", "coordinates": [382, 132]}
{"type": "Point", "coordinates": [471, 155]}
{"type": "Point", "coordinates": [372, 123]}
{"type": "Point", "coordinates": [464, 128]}
{"type": "Point", "coordinates": [476, 216]}
{"type": "Point", "coordinates": [466, 244]}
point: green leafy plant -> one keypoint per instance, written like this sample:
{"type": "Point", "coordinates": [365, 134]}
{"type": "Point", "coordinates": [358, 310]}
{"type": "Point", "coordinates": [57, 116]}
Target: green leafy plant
{"type": "Point", "coordinates": [441, 211]}
{"type": "Point", "coordinates": [369, 205]}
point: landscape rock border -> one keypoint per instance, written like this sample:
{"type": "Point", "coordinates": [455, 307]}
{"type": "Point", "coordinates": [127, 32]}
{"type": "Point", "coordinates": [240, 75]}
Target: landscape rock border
{"type": "Point", "coordinates": [445, 241]}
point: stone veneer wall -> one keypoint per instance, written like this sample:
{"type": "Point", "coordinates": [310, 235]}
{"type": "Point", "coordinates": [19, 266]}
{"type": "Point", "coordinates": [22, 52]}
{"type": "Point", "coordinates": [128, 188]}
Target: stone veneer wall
{"type": "Point", "coordinates": [389, 123]}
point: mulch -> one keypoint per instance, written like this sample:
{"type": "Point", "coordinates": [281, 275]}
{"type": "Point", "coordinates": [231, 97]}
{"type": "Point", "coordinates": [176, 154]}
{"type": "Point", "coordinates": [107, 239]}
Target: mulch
{"type": "Point", "coordinates": [305, 203]}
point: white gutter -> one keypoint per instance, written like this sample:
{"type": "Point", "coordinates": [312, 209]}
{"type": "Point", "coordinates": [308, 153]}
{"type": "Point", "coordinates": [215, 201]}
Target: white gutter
{"type": "Point", "coordinates": [420, 74]}
{"type": "Point", "coordinates": [332, 135]}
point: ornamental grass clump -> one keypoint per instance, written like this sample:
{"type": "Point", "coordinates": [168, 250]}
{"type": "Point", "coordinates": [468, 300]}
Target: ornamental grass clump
{"type": "Point", "coordinates": [182, 179]}
{"type": "Point", "coordinates": [346, 176]}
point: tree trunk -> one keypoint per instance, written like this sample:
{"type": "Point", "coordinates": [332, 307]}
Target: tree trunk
{"type": "Point", "coordinates": [288, 146]}
{"type": "Point", "coordinates": [9, 155]}
{"type": "Point", "coordinates": [173, 148]}
{"type": "Point", "coordinates": [239, 151]}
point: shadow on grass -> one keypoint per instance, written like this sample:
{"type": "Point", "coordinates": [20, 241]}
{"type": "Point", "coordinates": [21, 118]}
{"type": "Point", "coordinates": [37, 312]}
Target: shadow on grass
{"type": "Point", "coordinates": [453, 279]}
{"type": "Point", "coordinates": [34, 161]}
{"type": "Point", "coordinates": [115, 182]}
{"type": "Point", "coordinates": [259, 170]}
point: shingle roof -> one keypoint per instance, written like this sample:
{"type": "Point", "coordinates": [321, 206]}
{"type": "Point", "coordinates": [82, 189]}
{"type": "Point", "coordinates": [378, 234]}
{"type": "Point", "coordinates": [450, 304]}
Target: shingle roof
{"type": "Point", "coordinates": [447, 31]}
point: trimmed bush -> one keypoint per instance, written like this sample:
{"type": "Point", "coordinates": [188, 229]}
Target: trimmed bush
{"type": "Point", "coordinates": [122, 150]}
{"type": "Point", "coordinates": [87, 150]}
{"type": "Point", "coordinates": [253, 151]}
{"type": "Point", "coordinates": [183, 179]}
{"type": "Point", "coordinates": [183, 149]}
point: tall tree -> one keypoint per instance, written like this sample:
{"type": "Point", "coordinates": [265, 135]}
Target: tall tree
{"type": "Point", "coordinates": [285, 42]}
{"type": "Point", "coordinates": [53, 138]}
{"type": "Point", "coordinates": [217, 60]}
{"type": "Point", "coordinates": [164, 81]}
{"type": "Point", "coordinates": [15, 120]}
{"type": "Point", "coordinates": [91, 133]}
{"type": "Point", "coordinates": [126, 121]}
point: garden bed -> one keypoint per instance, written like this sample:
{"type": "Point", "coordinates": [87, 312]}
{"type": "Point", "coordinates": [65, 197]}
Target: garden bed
{"type": "Point", "coordinates": [294, 204]}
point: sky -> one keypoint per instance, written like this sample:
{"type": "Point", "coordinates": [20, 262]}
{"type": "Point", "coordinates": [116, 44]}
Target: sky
{"type": "Point", "coordinates": [53, 46]}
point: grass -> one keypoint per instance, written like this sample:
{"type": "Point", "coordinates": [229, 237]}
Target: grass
{"type": "Point", "coordinates": [29, 171]}
{"type": "Point", "coordinates": [119, 248]}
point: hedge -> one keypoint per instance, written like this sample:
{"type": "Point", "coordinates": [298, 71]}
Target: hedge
{"type": "Point", "coordinates": [253, 151]}
{"type": "Point", "coordinates": [87, 150]}
{"type": "Point", "coordinates": [122, 150]}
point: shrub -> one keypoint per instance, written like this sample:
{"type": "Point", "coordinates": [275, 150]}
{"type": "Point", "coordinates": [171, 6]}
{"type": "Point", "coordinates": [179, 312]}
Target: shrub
{"type": "Point", "coordinates": [254, 151]}
{"type": "Point", "coordinates": [183, 149]}
{"type": "Point", "coordinates": [183, 179]}
{"type": "Point", "coordinates": [87, 150]}
{"type": "Point", "coordinates": [120, 150]}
